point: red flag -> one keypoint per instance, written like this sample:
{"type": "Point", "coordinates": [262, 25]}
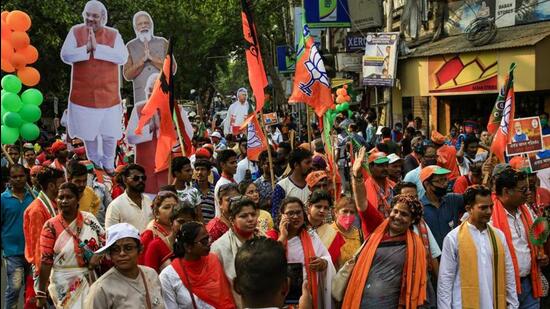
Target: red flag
{"type": "Point", "coordinates": [256, 141]}
{"type": "Point", "coordinates": [256, 71]}
{"type": "Point", "coordinates": [498, 147]}
{"type": "Point", "coordinates": [160, 100]}
{"type": "Point", "coordinates": [311, 82]}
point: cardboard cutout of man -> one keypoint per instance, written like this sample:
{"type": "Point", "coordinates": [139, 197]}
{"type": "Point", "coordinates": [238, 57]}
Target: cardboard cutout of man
{"type": "Point", "coordinates": [94, 114]}
{"type": "Point", "coordinates": [237, 113]}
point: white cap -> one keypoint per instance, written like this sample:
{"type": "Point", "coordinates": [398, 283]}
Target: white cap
{"type": "Point", "coordinates": [117, 232]}
{"type": "Point", "coordinates": [393, 158]}
{"type": "Point", "coordinates": [216, 134]}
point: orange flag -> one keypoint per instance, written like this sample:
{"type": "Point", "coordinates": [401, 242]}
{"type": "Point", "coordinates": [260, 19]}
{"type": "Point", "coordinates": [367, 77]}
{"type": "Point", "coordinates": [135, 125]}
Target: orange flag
{"type": "Point", "coordinates": [256, 141]}
{"type": "Point", "coordinates": [256, 71]}
{"type": "Point", "coordinates": [160, 101]}
{"type": "Point", "coordinates": [311, 82]}
{"type": "Point", "coordinates": [498, 147]}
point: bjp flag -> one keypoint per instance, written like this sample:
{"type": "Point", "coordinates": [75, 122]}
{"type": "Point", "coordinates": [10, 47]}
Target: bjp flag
{"type": "Point", "coordinates": [256, 141]}
{"type": "Point", "coordinates": [498, 147]}
{"type": "Point", "coordinates": [160, 101]}
{"type": "Point", "coordinates": [311, 82]}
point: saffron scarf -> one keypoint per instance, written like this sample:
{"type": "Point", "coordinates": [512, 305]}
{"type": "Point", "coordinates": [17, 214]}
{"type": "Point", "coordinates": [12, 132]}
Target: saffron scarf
{"type": "Point", "coordinates": [309, 252]}
{"type": "Point", "coordinates": [206, 279]}
{"type": "Point", "coordinates": [500, 221]}
{"type": "Point", "coordinates": [469, 272]}
{"type": "Point", "coordinates": [379, 200]}
{"type": "Point", "coordinates": [413, 293]}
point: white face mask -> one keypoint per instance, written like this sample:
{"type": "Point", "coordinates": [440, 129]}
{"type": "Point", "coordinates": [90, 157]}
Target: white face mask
{"type": "Point", "coordinates": [145, 35]}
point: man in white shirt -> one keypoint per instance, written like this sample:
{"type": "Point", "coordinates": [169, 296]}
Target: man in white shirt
{"type": "Point", "coordinates": [474, 254]}
{"type": "Point", "coordinates": [132, 206]}
{"type": "Point", "coordinates": [468, 154]}
{"type": "Point", "coordinates": [95, 53]}
{"type": "Point", "coordinates": [227, 160]}
{"type": "Point", "coordinates": [237, 113]}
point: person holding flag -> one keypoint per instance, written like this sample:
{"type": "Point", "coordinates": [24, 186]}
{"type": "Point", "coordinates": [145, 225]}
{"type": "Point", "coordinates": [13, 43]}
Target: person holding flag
{"type": "Point", "coordinates": [500, 122]}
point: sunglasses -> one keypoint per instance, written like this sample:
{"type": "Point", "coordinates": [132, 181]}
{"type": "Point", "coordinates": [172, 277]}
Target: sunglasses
{"type": "Point", "coordinates": [138, 178]}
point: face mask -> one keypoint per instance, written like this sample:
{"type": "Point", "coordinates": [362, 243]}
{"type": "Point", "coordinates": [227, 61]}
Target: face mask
{"type": "Point", "coordinates": [346, 221]}
{"type": "Point", "coordinates": [243, 234]}
{"type": "Point", "coordinates": [544, 122]}
{"type": "Point", "coordinates": [439, 192]}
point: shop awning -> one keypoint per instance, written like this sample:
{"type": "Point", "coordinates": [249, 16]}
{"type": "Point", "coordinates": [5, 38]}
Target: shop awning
{"type": "Point", "coordinates": [517, 36]}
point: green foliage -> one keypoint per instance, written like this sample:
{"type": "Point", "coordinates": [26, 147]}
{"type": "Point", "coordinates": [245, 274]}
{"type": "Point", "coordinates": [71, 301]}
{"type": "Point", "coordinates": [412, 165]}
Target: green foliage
{"type": "Point", "coordinates": [204, 31]}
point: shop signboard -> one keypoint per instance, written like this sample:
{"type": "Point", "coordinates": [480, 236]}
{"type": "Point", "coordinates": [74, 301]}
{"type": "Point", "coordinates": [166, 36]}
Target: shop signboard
{"type": "Point", "coordinates": [285, 62]}
{"type": "Point", "coordinates": [355, 43]}
{"type": "Point", "coordinates": [380, 59]}
{"type": "Point", "coordinates": [463, 73]}
{"type": "Point", "coordinates": [541, 160]}
{"type": "Point", "coordinates": [348, 62]}
{"type": "Point", "coordinates": [327, 13]}
{"type": "Point", "coordinates": [365, 14]}
{"type": "Point", "coordinates": [525, 136]}
{"type": "Point", "coordinates": [504, 13]}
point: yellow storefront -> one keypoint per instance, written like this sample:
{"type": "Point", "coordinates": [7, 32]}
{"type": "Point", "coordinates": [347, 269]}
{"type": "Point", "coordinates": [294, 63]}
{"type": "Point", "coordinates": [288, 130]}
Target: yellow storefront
{"type": "Point", "coordinates": [450, 79]}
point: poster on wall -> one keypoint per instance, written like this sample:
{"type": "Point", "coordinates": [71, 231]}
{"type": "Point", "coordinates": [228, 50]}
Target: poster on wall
{"type": "Point", "coordinates": [285, 61]}
{"type": "Point", "coordinates": [541, 160]}
{"type": "Point", "coordinates": [380, 59]}
{"type": "Point", "coordinates": [525, 136]}
{"type": "Point", "coordinates": [327, 13]}
{"type": "Point", "coordinates": [504, 13]}
{"type": "Point", "coordinates": [460, 73]}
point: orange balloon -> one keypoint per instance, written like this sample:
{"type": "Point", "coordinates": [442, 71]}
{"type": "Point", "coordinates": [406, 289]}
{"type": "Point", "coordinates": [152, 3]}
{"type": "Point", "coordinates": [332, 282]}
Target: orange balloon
{"type": "Point", "coordinates": [18, 61]}
{"type": "Point", "coordinates": [5, 15]}
{"type": "Point", "coordinates": [30, 53]}
{"type": "Point", "coordinates": [6, 66]}
{"type": "Point", "coordinates": [7, 49]}
{"type": "Point", "coordinates": [29, 76]}
{"type": "Point", "coordinates": [20, 39]}
{"type": "Point", "coordinates": [19, 20]}
{"type": "Point", "coordinates": [340, 99]}
{"type": "Point", "coordinates": [6, 31]}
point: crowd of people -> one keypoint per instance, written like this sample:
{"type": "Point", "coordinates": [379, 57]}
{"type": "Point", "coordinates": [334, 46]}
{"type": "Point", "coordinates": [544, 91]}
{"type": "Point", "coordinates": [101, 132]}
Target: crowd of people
{"type": "Point", "coordinates": [412, 222]}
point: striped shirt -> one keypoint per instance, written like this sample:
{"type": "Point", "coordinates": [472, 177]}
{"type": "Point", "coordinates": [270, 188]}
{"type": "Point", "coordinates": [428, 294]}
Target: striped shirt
{"type": "Point", "coordinates": [208, 208]}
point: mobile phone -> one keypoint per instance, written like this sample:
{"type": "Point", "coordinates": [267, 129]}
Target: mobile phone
{"type": "Point", "coordinates": [296, 275]}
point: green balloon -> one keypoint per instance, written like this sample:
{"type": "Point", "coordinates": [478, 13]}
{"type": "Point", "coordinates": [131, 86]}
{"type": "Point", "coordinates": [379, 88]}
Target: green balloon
{"type": "Point", "coordinates": [345, 106]}
{"type": "Point", "coordinates": [3, 111]}
{"type": "Point", "coordinates": [30, 112]}
{"type": "Point", "coordinates": [11, 83]}
{"type": "Point", "coordinates": [32, 96]}
{"type": "Point", "coordinates": [29, 131]}
{"type": "Point", "coordinates": [11, 102]}
{"type": "Point", "coordinates": [9, 135]}
{"type": "Point", "coordinates": [12, 120]}
{"type": "Point", "coordinates": [3, 91]}
{"type": "Point", "coordinates": [339, 108]}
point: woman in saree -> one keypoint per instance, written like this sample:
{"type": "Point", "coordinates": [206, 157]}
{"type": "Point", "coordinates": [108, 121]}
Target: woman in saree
{"type": "Point", "coordinates": [159, 252]}
{"type": "Point", "coordinates": [67, 243]}
{"type": "Point", "coordinates": [304, 246]}
{"type": "Point", "coordinates": [345, 214]}
{"type": "Point", "coordinates": [319, 206]}
{"type": "Point", "coordinates": [391, 269]}
{"type": "Point", "coordinates": [195, 278]}
{"type": "Point", "coordinates": [160, 227]}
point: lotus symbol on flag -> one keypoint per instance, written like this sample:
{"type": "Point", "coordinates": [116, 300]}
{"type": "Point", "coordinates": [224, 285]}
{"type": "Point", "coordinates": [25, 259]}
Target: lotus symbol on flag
{"type": "Point", "coordinates": [316, 69]}
{"type": "Point", "coordinates": [253, 140]}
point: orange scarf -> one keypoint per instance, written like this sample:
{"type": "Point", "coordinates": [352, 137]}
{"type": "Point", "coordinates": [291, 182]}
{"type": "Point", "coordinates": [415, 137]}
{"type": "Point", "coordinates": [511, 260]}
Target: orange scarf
{"type": "Point", "coordinates": [500, 221]}
{"type": "Point", "coordinates": [378, 200]}
{"type": "Point", "coordinates": [206, 279]}
{"type": "Point", "coordinates": [413, 293]}
{"type": "Point", "coordinates": [309, 252]}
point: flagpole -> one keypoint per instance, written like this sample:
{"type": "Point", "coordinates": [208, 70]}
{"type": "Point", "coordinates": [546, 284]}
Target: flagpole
{"type": "Point", "coordinates": [269, 157]}
{"type": "Point", "coordinates": [334, 163]}
{"type": "Point", "coordinates": [308, 125]}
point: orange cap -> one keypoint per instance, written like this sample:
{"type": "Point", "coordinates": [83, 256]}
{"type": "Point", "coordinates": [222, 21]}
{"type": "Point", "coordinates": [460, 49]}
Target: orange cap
{"type": "Point", "coordinates": [430, 170]}
{"type": "Point", "coordinates": [437, 138]}
{"type": "Point", "coordinates": [314, 177]}
{"type": "Point", "coordinates": [378, 158]}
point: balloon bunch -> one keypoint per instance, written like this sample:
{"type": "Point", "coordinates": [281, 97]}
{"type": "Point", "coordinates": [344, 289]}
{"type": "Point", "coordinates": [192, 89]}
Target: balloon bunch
{"type": "Point", "coordinates": [342, 104]}
{"type": "Point", "coordinates": [17, 51]}
{"type": "Point", "coordinates": [19, 112]}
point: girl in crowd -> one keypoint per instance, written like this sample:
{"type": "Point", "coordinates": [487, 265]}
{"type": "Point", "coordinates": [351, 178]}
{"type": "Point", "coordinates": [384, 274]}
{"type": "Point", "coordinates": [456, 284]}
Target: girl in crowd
{"type": "Point", "coordinates": [67, 243]}
{"type": "Point", "coordinates": [159, 252]}
{"type": "Point", "coordinates": [318, 208]}
{"type": "Point", "coordinates": [250, 190]}
{"type": "Point", "coordinates": [243, 214]}
{"type": "Point", "coordinates": [161, 226]}
{"type": "Point", "coordinates": [345, 213]}
{"type": "Point", "coordinates": [195, 278]}
{"type": "Point", "coordinates": [220, 225]}
{"type": "Point", "coordinates": [305, 247]}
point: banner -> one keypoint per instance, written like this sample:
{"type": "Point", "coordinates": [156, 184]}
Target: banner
{"type": "Point", "coordinates": [285, 63]}
{"type": "Point", "coordinates": [525, 136]}
{"type": "Point", "coordinates": [327, 13]}
{"type": "Point", "coordinates": [541, 160]}
{"type": "Point", "coordinates": [460, 73]}
{"type": "Point", "coordinates": [355, 43]}
{"type": "Point", "coordinates": [380, 59]}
